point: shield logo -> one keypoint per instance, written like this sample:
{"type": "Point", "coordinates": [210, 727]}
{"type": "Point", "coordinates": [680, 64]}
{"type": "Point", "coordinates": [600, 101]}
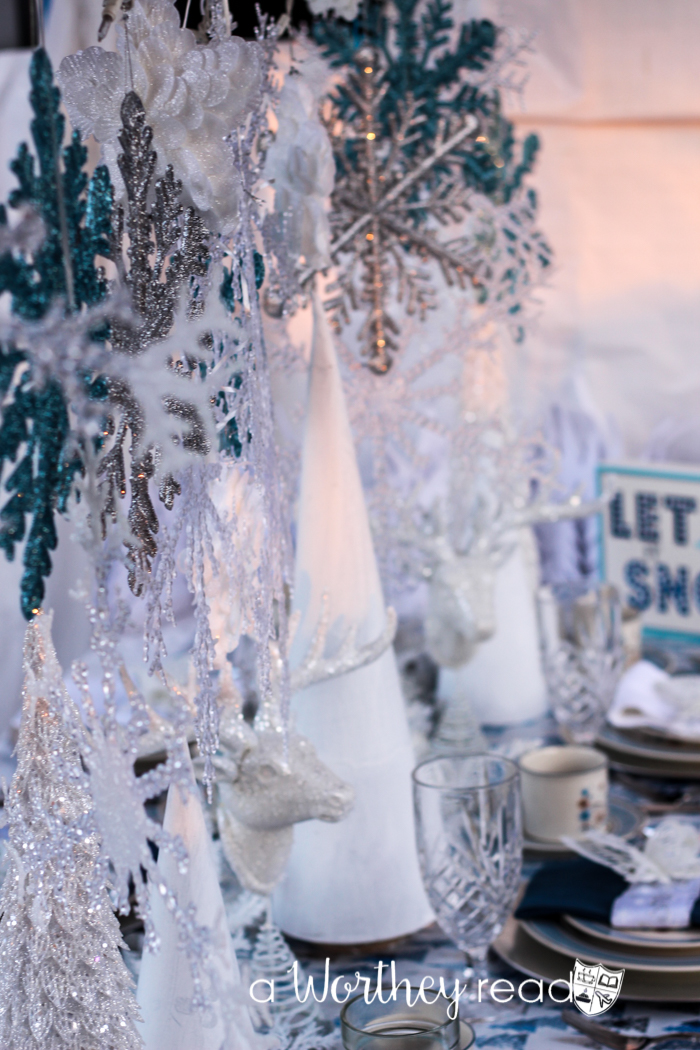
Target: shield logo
{"type": "Point", "coordinates": [595, 988]}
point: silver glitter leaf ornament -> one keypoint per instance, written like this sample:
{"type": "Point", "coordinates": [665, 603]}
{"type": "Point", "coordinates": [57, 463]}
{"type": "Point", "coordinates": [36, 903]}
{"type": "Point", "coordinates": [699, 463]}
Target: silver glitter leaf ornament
{"type": "Point", "coordinates": [168, 255]}
{"type": "Point", "coordinates": [63, 983]}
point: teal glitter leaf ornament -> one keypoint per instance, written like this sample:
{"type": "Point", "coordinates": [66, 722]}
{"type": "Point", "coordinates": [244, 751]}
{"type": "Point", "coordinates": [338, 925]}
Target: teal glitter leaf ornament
{"type": "Point", "coordinates": [76, 228]}
{"type": "Point", "coordinates": [76, 223]}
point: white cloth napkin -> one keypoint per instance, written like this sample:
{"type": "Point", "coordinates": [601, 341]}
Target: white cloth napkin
{"type": "Point", "coordinates": [656, 906]}
{"type": "Point", "coordinates": [648, 697]}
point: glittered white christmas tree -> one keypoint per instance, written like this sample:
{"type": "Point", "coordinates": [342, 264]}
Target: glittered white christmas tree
{"type": "Point", "coordinates": [63, 982]}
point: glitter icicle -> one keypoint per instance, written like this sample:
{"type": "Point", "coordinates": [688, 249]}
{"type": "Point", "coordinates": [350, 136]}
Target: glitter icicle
{"type": "Point", "coordinates": [63, 983]}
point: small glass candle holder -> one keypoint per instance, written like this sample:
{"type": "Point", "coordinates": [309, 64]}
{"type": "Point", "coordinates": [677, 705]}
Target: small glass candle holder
{"type": "Point", "coordinates": [394, 1025]}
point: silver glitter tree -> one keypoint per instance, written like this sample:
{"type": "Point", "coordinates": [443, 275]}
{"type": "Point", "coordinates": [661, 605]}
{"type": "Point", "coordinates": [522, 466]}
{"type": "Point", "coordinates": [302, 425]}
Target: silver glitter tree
{"type": "Point", "coordinates": [63, 982]}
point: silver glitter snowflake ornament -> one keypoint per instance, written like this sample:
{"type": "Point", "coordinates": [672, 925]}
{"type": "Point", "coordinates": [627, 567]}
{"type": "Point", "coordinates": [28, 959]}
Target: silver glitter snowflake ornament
{"type": "Point", "coordinates": [387, 206]}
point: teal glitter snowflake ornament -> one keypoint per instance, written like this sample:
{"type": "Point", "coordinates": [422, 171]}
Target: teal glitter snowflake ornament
{"type": "Point", "coordinates": [76, 222]}
{"type": "Point", "coordinates": [416, 60]}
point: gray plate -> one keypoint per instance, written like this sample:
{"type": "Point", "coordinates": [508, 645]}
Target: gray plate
{"type": "Point", "coordinates": [654, 749]}
{"type": "Point", "coordinates": [518, 949]}
{"type": "Point", "coordinates": [669, 940]}
{"type": "Point", "coordinates": [566, 940]}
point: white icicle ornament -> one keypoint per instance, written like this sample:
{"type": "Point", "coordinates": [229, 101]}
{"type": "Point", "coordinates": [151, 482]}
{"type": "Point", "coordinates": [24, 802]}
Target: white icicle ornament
{"type": "Point", "coordinates": [194, 95]}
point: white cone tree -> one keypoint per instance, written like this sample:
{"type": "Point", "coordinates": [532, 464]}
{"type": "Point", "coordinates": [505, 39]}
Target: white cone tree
{"type": "Point", "coordinates": [167, 985]}
{"type": "Point", "coordinates": [358, 880]}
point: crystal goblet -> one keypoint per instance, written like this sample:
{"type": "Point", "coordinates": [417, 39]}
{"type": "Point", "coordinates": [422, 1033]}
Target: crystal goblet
{"type": "Point", "coordinates": [584, 657]}
{"type": "Point", "coordinates": [470, 844]}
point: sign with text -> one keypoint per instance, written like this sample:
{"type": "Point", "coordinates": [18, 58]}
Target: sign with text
{"type": "Point", "coordinates": [651, 542]}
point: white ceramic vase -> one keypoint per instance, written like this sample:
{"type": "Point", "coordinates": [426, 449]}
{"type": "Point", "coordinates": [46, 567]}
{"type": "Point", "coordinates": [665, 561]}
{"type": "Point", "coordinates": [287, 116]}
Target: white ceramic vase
{"type": "Point", "coordinates": [356, 881]}
{"type": "Point", "coordinates": [504, 682]}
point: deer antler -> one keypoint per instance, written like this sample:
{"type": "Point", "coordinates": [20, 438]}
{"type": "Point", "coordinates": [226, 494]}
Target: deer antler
{"type": "Point", "coordinates": [538, 513]}
{"type": "Point", "coordinates": [349, 657]}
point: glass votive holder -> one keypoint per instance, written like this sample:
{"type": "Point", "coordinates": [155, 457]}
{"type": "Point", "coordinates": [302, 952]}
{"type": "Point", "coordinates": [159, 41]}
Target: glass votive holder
{"type": "Point", "coordinates": [395, 1025]}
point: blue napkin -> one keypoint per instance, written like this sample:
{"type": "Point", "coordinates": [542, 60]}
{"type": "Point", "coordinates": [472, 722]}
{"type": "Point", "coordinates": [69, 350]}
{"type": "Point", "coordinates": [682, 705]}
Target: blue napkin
{"type": "Point", "coordinates": [577, 887]}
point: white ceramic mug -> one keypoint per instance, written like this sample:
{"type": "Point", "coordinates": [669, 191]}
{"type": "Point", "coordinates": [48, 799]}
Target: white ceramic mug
{"type": "Point", "coordinates": [564, 791]}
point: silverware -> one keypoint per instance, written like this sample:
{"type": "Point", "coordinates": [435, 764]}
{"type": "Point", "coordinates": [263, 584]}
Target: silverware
{"type": "Point", "coordinates": [619, 1040]}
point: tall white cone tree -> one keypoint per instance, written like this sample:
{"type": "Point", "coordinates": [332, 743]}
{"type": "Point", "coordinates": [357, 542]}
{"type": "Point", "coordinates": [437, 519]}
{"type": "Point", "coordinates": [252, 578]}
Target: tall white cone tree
{"type": "Point", "coordinates": [166, 988]}
{"type": "Point", "coordinates": [63, 983]}
{"type": "Point", "coordinates": [358, 880]}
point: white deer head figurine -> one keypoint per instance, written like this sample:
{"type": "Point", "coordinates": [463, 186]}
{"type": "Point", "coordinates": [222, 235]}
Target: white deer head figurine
{"type": "Point", "coordinates": [268, 781]}
{"type": "Point", "coordinates": [496, 488]}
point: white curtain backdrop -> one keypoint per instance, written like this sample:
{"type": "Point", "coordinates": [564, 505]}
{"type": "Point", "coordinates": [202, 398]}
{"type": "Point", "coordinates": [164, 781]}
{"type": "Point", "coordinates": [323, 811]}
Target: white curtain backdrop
{"type": "Point", "coordinates": [614, 95]}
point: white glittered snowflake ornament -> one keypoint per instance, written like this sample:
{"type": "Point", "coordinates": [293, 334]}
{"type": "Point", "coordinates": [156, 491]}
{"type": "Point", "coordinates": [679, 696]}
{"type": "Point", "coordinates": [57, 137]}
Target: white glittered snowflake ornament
{"type": "Point", "coordinates": [126, 831]}
{"type": "Point", "coordinates": [195, 95]}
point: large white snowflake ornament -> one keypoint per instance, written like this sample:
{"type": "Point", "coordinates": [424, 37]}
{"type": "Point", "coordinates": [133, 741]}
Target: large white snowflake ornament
{"type": "Point", "coordinates": [195, 96]}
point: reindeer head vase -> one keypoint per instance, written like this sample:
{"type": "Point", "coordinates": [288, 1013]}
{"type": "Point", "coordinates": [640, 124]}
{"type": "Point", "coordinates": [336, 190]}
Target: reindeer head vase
{"type": "Point", "coordinates": [267, 780]}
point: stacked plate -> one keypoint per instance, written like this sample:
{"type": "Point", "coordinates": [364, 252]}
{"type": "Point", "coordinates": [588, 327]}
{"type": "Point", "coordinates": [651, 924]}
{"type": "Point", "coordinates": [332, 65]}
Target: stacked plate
{"type": "Point", "coordinates": [650, 754]}
{"type": "Point", "coordinates": [659, 965]}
